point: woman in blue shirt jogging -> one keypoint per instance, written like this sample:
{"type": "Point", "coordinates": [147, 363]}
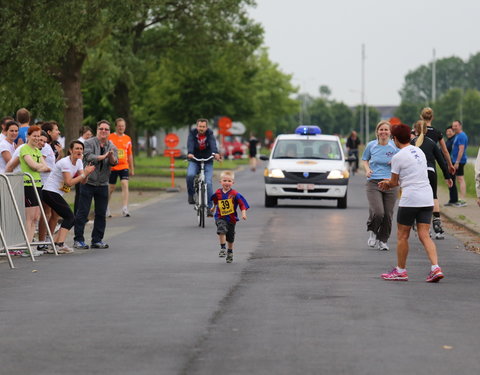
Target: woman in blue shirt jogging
{"type": "Point", "coordinates": [376, 160]}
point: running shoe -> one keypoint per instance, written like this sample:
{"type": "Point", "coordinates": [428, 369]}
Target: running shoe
{"type": "Point", "coordinates": [449, 204]}
{"type": "Point", "coordinates": [435, 276]}
{"type": "Point", "coordinates": [99, 245]}
{"type": "Point", "coordinates": [372, 239]}
{"type": "Point", "coordinates": [64, 249]}
{"type": "Point", "coordinates": [460, 204]}
{"type": "Point", "coordinates": [80, 245]}
{"type": "Point", "coordinates": [191, 200]}
{"type": "Point", "coordinates": [42, 247]}
{"type": "Point", "coordinates": [394, 275]}
{"type": "Point", "coordinates": [229, 258]}
{"type": "Point", "coordinates": [125, 212]}
{"type": "Point", "coordinates": [222, 253]}
{"type": "Point", "coordinates": [383, 246]}
{"type": "Point", "coordinates": [437, 228]}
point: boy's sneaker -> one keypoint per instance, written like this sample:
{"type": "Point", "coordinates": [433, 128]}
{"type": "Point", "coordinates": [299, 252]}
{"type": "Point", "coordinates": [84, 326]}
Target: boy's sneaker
{"type": "Point", "coordinates": [222, 253]}
{"type": "Point", "coordinates": [372, 239]}
{"type": "Point", "coordinates": [229, 258]}
{"type": "Point", "coordinates": [99, 245]}
{"type": "Point", "coordinates": [435, 276]}
{"type": "Point", "coordinates": [394, 275]}
{"type": "Point", "coordinates": [125, 212]}
{"type": "Point", "coordinates": [383, 246]}
{"type": "Point", "coordinates": [64, 249]}
{"type": "Point", "coordinates": [80, 245]}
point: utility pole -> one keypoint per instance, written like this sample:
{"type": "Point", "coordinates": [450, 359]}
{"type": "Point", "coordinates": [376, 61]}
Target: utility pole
{"type": "Point", "coordinates": [434, 78]}
{"type": "Point", "coordinates": [363, 123]}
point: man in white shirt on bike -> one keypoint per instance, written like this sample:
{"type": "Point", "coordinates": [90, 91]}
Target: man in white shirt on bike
{"type": "Point", "coordinates": [201, 144]}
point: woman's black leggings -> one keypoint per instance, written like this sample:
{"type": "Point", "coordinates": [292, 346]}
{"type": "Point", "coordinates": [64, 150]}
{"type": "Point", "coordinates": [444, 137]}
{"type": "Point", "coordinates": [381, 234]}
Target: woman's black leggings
{"type": "Point", "coordinates": [58, 204]}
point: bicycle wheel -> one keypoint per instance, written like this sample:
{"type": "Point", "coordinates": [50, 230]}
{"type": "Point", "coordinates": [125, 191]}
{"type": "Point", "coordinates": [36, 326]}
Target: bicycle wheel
{"type": "Point", "coordinates": [203, 206]}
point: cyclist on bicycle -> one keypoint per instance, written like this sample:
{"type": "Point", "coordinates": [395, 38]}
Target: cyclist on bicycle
{"type": "Point", "coordinates": [201, 144]}
{"type": "Point", "coordinates": [352, 147]}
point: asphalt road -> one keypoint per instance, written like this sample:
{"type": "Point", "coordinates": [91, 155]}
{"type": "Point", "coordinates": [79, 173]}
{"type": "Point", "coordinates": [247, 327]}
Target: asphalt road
{"type": "Point", "coordinates": [303, 296]}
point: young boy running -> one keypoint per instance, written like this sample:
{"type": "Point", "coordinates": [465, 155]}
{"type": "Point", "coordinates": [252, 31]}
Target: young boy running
{"type": "Point", "coordinates": [225, 201]}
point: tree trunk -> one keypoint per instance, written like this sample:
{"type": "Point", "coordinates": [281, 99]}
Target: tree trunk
{"type": "Point", "coordinates": [70, 79]}
{"type": "Point", "coordinates": [121, 105]}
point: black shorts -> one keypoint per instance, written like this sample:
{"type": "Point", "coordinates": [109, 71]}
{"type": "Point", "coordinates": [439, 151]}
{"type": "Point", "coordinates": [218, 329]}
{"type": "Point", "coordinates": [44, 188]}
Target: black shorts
{"type": "Point", "coordinates": [408, 215]}
{"type": "Point", "coordinates": [227, 228]}
{"type": "Point", "coordinates": [122, 173]}
{"type": "Point", "coordinates": [432, 178]}
{"type": "Point", "coordinates": [460, 170]}
{"type": "Point", "coordinates": [30, 196]}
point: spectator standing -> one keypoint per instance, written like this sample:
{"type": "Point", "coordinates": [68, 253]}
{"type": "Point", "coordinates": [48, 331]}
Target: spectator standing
{"type": "Point", "coordinates": [453, 193]}
{"type": "Point", "coordinates": [53, 132]}
{"type": "Point", "coordinates": [352, 146]}
{"type": "Point", "coordinates": [101, 153]}
{"type": "Point", "coordinates": [23, 118]}
{"type": "Point", "coordinates": [32, 162]}
{"type": "Point", "coordinates": [85, 133]}
{"type": "Point", "coordinates": [252, 152]}
{"type": "Point", "coordinates": [125, 167]}
{"type": "Point", "coordinates": [459, 157]}
{"type": "Point", "coordinates": [3, 133]}
{"type": "Point", "coordinates": [7, 145]}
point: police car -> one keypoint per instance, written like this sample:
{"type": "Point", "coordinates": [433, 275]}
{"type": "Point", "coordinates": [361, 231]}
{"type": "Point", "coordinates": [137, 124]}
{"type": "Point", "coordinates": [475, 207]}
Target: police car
{"type": "Point", "coordinates": [306, 165]}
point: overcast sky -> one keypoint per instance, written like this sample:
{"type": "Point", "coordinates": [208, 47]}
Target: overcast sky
{"type": "Point", "coordinates": [319, 41]}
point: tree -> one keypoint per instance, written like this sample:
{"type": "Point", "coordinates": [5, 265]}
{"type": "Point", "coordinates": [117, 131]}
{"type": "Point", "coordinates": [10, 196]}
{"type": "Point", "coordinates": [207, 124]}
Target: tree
{"type": "Point", "coordinates": [321, 115]}
{"type": "Point", "coordinates": [325, 91]}
{"type": "Point", "coordinates": [46, 43]}
{"type": "Point", "coordinates": [342, 117]}
{"type": "Point", "coordinates": [408, 113]}
{"type": "Point", "coordinates": [373, 119]}
{"type": "Point", "coordinates": [471, 114]}
{"type": "Point", "coordinates": [447, 108]}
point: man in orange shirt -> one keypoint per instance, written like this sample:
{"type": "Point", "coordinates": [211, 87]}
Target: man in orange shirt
{"type": "Point", "coordinates": [124, 168]}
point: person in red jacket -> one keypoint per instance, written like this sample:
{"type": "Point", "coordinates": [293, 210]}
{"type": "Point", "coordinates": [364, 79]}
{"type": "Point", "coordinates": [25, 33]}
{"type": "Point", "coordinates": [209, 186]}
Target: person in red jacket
{"type": "Point", "coordinates": [225, 203]}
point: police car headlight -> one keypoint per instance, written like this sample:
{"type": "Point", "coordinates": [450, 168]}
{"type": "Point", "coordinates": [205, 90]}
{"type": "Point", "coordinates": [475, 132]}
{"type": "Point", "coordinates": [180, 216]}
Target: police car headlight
{"type": "Point", "coordinates": [275, 173]}
{"type": "Point", "coordinates": [336, 174]}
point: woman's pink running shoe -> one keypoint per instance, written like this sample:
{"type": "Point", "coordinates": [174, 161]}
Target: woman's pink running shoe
{"type": "Point", "coordinates": [394, 275]}
{"type": "Point", "coordinates": [435, 276]}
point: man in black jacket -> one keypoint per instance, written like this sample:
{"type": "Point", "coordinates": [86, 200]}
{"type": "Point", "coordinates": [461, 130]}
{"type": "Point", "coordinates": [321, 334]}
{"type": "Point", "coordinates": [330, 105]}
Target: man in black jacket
{"type": "Point", "coordinates": [201, 144]}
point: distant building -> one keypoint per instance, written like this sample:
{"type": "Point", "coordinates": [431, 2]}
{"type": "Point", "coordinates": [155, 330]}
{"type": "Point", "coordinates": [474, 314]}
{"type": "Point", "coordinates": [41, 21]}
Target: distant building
{"type": "Point", "coordinates": [386, 111]}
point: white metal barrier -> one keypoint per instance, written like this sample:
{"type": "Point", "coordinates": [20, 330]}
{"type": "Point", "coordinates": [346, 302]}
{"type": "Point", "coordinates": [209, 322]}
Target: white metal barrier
{"type": "Point", "coordinates": [13, 235]}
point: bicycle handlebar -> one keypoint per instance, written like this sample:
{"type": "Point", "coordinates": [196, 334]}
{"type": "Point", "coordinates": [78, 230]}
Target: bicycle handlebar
{"type": "Point", "coordinates": [204, 160]}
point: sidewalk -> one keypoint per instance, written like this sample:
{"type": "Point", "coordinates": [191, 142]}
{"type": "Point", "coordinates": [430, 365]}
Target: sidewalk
{"type": "Point", "coordinates": [468, 217]}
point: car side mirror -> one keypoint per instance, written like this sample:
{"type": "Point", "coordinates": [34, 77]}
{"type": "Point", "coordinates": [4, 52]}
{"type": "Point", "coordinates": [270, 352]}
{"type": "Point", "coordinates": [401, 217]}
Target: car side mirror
{"type": "Point", "coordinates": [263, 157]}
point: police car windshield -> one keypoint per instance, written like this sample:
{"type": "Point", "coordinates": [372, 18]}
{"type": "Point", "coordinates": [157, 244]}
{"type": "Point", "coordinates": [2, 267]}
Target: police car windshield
{"type": "Point", "coordinates": [307, 149]}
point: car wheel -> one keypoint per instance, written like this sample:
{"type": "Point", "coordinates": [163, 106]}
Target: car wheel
{"type": "Point", "coordinates": [342, 202]}
{"type": "Point", "coordinates": [270, 201]}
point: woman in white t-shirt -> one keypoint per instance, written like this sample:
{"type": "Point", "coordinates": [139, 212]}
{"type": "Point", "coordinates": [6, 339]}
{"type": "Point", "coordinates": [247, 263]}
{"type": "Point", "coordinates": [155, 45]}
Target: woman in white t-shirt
{"type": "Point", "coordinates": [67, 172]}
{"type": "Point", "coordinates": [7, 145]}
{"type": "Point", "coordinates": [52, 217]}
{"type": "Point", "coordinates": [409, 170]}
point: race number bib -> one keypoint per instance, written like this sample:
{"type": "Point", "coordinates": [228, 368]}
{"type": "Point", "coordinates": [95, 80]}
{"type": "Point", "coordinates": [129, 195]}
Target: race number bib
{"type": "Point", "coordinates": [121, 153]}
{"type": "Point", "coordinates": [226, 207]}
{"type": "Point", "coordinates": [65, 188]}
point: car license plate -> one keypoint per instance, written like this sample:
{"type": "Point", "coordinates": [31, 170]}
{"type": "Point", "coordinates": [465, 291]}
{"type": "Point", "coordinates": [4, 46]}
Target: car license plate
{"type": "Point", "coordinates": [305, 186]}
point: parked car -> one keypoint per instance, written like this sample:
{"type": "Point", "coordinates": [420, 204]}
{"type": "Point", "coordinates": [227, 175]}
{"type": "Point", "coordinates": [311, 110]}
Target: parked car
{"type": "Point", "coordinates": [233, 148]}
{"type": "Point", "coordinates": [306, 165]}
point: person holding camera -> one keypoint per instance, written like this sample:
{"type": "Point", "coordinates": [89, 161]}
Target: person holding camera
{"type": "Point", "coordinates": [101, 153]}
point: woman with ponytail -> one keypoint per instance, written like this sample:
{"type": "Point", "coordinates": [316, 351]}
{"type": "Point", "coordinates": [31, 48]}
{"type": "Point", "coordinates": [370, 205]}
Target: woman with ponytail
{"type": "Point", "coordinates": [432, 153]}
{"type": "Point", "coordinates": [435, 135]}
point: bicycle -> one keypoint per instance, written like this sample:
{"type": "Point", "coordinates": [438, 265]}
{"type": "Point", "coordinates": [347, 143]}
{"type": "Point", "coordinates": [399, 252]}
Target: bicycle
{"type": "Point", "coordinates": [352, 161]}
{"type": "Point", "coordinates": [200, 195]}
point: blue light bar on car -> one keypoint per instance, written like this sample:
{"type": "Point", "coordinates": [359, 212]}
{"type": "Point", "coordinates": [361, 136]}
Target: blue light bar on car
{"type": "Point", "coordinates": [308, 130]}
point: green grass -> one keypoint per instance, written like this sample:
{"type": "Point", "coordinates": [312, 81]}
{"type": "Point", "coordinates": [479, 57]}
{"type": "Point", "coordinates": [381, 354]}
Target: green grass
{"type": "Point", "coordinates": [148, 183]}
{"type": "Point", "coordinates": [472, 151]}
{"type": "Point", "coordinates": [159, 172]}
{"type": "Point", "coordinates": [469, 179]}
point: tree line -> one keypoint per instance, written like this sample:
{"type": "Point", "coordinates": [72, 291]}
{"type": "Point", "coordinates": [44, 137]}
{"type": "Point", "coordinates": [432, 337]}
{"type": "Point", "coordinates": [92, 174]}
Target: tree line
{"type": "Point", "coordinates": [156, 63]}
{"type": "Point", "coordinates": [457, 94]}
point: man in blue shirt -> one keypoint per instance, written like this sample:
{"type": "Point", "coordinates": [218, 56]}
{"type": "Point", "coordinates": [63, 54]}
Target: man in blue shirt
{"type": "Point", "coordinates": [459, 158]}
